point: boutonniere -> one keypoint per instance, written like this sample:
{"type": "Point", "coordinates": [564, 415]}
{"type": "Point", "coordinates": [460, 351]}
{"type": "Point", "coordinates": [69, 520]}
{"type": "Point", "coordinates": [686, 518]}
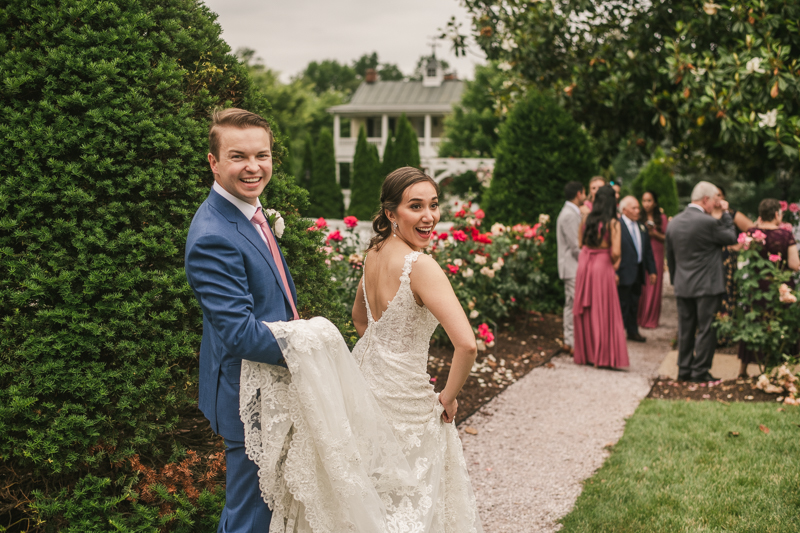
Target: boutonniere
{"type": "Point", "coordinates": [275, 222]}
{"type": "Point", "coordinates": [642, 229]}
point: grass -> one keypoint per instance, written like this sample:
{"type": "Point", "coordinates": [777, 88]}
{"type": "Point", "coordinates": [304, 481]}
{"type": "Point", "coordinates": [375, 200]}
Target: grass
{"type": "Point", "coordinates": [678, 468]}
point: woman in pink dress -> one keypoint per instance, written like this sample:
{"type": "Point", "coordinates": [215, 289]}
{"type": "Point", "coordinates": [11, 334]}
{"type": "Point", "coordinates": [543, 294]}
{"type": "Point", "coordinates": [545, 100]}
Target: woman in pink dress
{"type": "Point", "coordinates": [599, 332]}
{"type": "Point", "coordinates": [650, 301]}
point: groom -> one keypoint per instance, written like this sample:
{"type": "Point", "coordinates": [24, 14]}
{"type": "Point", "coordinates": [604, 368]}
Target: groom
{"type": "Point", "coordinates": [240, 278]}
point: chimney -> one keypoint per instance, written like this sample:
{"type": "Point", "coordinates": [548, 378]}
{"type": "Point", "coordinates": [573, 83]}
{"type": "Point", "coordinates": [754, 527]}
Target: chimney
{"type": "Point", "coordinates": [372, 76]}
{"type": "Point", "coordinates": [451, 76]}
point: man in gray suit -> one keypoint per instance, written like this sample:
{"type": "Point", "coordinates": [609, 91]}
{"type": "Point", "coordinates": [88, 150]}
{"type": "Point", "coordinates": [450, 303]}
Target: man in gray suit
{"type": "Point", "coordinates": [567, 226]}
{"type": "Point", "coordinates": [694, 245]}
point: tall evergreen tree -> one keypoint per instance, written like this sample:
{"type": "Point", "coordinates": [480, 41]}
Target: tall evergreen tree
{"type": "Point", "coordinates": [540, 149]}
{"type": "Point", "coordinates": [658, 177]}
{"type": "Point", "coordinates": [325, 194]}
{"type": "Point", "coordinates": [406, 150]}
{"type": "Point", "coordinates": [389, 162]}
{"type": "Point", "coordinates": [308, 161]}
{"type": "Point", "coordinates": [366, 179]}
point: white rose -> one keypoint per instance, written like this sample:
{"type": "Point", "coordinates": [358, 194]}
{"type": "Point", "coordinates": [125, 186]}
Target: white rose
{"type": "Point", "coordinates": [544, 219]}
{"type": "Point", "coordinates": [496, 266]}
{"type": "Point", "coordinates": [480, 259]}
{"type": "Point", "coordinates": [498, 228]}
{"type": "Point", "coordinates": [280, 225]}
{"type": "Point", "coordinates": [486, 271]}
{"type": "Point", "coordinates": [471, 304]}
{"type": "Point", "coordinates": [276, 221]}
{"type": "Point", "coordinates": [468, 273]}
{"type": "Point", "coordinates": [474, 314]}
{"type": "Point", "coordinates": [481, 345]}
{"type": "Point", "coordinates": [458, 262]}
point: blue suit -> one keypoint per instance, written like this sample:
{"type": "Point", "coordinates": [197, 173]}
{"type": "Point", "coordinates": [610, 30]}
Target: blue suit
{"type": "Point", "coordinates": [237, 284]}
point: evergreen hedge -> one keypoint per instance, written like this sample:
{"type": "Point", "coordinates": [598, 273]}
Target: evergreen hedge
{"type": "Point", "coordinates": [406, 148]}
{"type": "Point", "coordinates": [326, 198]}
{"type": "Point", "coordinates": [104, 121]}
{"type": "Point", "coordinates": [657, 176]}
{"type": "Point", "coordinates": [541, 148]}
{"type": "Point", "coordinates": [366, 180]}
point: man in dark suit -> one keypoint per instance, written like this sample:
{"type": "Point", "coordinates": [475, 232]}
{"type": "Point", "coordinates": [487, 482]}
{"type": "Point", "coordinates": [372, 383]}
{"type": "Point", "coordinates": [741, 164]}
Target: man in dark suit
{"type": "Point", "coordinates": [694, 243]}
{"type": "Point", "coordinates": [635, 259]}
{"type": "Point", "coordinates": [240, 278]}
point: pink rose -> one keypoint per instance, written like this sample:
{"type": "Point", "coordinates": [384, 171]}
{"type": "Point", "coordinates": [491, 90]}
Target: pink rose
{"type": "Point", "coordinates": [786, 226]}
{"type": "Point", "coordinates": [760, 236]}
{"type": "Point", "coordinates": [452, 268]}
{"type": "Point", "coordinates": [460, 213]}
{"type": "Point", "coordinates": [774, 257]}
{"type": "Point", "coordinates": [784, 205]}
{"type": "Point", "coordinates": [794, 208]}
{"type": "Point", "coordinates": [351, 221]}
{"type": "Point", "coordinates": [529, 233]}
{"type": "Point", "coordinates": [334, 236]}
{"type": "Point", "coordinates": [519, 228]}
{"type": "Point", "coordinates": [321, 223]}
{"type": "Point", "coordinates": [479, 214]}
{"type": "Point", "coordinates": [459, 235]}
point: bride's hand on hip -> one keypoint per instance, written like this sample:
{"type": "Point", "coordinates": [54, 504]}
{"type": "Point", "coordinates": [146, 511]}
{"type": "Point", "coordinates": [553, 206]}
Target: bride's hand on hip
{"type": "Point", "coordinates": [450, 408]}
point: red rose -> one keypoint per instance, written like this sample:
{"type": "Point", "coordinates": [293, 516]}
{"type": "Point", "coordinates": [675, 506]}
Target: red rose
{"type": "Point", "coordinates": [321, 223]}
{"type": "Point", "coordinates": [459, 235]}
{"type": "Point", "coordinates": [442, 236]}
{"type": "Point", "coordinates": [351, 221]}
{"type": "Point", "coordinates": [334, 236]}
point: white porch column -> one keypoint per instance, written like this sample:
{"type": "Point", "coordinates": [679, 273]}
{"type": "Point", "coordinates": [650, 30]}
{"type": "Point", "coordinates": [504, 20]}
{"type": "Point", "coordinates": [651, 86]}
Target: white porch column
{"type": "Point", "coordinates": [337, 131]}
{"type": "Point", "coordinates": [384, 133]}
{"type": "Point", "coordinates": [427, 133]}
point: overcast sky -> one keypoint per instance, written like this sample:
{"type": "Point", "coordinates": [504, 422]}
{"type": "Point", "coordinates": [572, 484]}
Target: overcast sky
{"type": "Point", "coordinates": [288, 35]}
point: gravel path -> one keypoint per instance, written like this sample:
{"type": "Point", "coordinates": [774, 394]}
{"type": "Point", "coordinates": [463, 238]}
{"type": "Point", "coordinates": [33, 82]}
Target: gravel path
{"type": "Point", "coordinates": [540, 438]}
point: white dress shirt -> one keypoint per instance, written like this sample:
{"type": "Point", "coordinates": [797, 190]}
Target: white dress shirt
{"type": "Point", "coordinates": [248, 210]}
{"type": "Point", "coordinates": [633, 229]}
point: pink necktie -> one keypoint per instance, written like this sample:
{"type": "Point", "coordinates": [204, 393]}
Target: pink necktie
{"type": "Point", "coordinates": [259, 219]}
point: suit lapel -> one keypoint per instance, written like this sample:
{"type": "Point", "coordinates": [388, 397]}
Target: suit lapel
{"type": "Point", "coordinates": [249, 232]}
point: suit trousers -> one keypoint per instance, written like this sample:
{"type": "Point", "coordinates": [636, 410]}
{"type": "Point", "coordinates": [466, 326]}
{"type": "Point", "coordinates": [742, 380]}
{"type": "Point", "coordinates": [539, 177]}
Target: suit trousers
{"type": "Point", "coordinates": [696, 316]}
{"type": "Point", "coordinates": [569, 300]}
{"type": "Point", "coordinates": [629, 304]}
{"type": "Point", "coordinates": [245, 510]}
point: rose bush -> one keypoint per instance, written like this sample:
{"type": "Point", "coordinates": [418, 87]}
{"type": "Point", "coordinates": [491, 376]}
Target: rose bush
{"type": "Point", "coordinates": [494, 273]}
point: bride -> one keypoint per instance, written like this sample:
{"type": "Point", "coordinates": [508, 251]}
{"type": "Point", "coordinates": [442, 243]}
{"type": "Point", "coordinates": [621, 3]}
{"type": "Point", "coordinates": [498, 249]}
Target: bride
{"type": "Point", "coordinates": [362, 442]}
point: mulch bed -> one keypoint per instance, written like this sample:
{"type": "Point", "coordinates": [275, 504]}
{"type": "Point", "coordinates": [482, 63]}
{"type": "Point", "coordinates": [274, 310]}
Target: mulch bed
{"type": "Point", "coordinates": [520, 346]}
{"type": "Point", "coordinates": [735, 390]}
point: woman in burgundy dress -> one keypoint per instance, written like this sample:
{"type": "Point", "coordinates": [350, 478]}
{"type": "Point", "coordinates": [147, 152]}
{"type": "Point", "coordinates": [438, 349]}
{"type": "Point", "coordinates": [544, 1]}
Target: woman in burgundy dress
{"type": "Point", "coordinates": [599, 332]}
{"type": "Point", "coordinates": [650, 301]}
{"type": "Point", "coordinates": [778, 241]}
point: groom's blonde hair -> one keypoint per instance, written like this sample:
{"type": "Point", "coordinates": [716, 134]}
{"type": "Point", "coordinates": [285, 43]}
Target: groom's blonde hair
{"type": "Point", "coordinates": [234, 117]}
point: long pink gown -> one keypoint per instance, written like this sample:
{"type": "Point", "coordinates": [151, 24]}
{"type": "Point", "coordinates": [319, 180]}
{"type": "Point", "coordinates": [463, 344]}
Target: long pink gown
{"type": "Point", "coordinates": [650, 300]}
{"type": "Point", "coordinates": [599, 331]}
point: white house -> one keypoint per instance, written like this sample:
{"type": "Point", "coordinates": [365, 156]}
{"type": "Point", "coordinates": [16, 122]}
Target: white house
{"type": "Point", "coordinates": [377, 105]}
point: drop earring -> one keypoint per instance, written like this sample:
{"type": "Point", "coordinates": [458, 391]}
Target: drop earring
{"type": "Point", "coordinates": [394, 232]}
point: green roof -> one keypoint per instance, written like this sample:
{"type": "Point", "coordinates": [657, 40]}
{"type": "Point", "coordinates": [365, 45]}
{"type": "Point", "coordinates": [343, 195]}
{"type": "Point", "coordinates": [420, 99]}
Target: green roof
{"type": "Point", "coordinates": [402, 97]}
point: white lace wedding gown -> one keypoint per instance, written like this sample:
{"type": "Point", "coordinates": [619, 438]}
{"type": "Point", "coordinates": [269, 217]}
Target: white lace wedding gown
{"type": "Point", "coordinates": [343, 450]}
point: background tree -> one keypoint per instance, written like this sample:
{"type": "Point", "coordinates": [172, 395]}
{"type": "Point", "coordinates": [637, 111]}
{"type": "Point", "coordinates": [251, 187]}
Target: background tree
{"type": "Point", "coordinates": [367, 179]}
{"type": "Point", "coordinates": [388, 163]}
{"type": "Point", "coordinates": [308, 161]}
{"type": "Point", "coordinates": [540, 149]}
{"type": "Point", "coordinates": [386, 71]}
{"type": "Point", "coordinates": [105, 122]}
{"type": "Point", "coordinates": [717, 81]}
{"type": "Point", "coordinates": [472, 129]}
{"type": "Point", "coordinates": [325, 195]}
{"type": "Point", "coordinates": [406, 145]}
{"type": "Point", "coordinates": [657, 176]}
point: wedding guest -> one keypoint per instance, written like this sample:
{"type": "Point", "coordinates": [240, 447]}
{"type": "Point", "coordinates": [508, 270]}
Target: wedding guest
{"type": "Point", "coordinates": [636, 264]}
{"type": "Point", "coordinates": [779, 241]}
{"type": "Point", "coordinates": [567, 227]}
{"type": "Point", "coordinates": [729, 260]}
{"type": "Point", "coordinates": [594, 184]}
{"type": "Point", "coordinates": [599, 331]}
{"type": "Point", "coordinates": [656, 223]}
{"type": "Point", "coordinates": [693, 243]}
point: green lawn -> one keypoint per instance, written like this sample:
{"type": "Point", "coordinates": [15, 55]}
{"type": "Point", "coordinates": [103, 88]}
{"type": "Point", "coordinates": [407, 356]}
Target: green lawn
{"type": "Point", "coordinates": [678, 468]}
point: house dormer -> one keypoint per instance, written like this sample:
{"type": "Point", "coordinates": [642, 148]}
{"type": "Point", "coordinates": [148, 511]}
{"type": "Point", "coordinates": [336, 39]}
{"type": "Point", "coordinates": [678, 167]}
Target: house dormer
{"type": "Point", "coordinates": [433, 75]}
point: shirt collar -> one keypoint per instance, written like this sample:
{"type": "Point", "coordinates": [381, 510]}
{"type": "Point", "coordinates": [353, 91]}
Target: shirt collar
{"type": "Point", "coordinates": [247, 210]}
{"type": "Point", "coordinates": [628, 221]}
{"type": "Point", "coordinates": [573, 206]}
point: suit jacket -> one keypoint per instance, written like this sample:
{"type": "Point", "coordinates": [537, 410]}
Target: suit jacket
{"type": "Point", "coordinates": [630, 270]}
{"type": "Point", "coordinates": [236, 282]}
{"type": "Point", "coordinates": [567, 228]}
{"type": "Point", "coordinates": [694, 243]}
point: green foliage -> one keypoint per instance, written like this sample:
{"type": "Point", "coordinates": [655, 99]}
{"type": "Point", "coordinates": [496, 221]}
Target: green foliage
{"type": "Point", "coordinates": [761, 320]}
{"type": "Point", "coordinates": [388, 163]}
{"type": "Point", "coordinates": [701, 76]}
{"type": "Point", "coordinates": [367, 179]}
{"type": "Point", "coordinates": [330, 75]}
{"type": "Point", "coordinates": [657, 176]}
{"type": "Point", "coordinates": [540, 149]}
{"type": "Point", "coordinates": [308, 161]}
{"type": "Point", "coordinates": [386, 71]}
{"type": "Point", "coordinates": [406, 145]}
{"type": "Point", "coordinates": [472, 129]}
{"type": "Point", "coordinates": [325, 194]}
{"type": "Point", "coordinates": [105, 120]}
{"type": "Point", "coordinates": [679, 467]}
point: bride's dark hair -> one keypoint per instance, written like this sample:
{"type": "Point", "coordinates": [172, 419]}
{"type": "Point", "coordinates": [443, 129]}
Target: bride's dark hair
{"type": "Point", "coordinates": [392, 191]}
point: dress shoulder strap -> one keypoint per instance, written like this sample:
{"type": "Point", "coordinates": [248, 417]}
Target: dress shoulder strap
{"type": "Point", "coordinates": [410, 260]}
{"type": "Point", "coordinates": [364, 286]}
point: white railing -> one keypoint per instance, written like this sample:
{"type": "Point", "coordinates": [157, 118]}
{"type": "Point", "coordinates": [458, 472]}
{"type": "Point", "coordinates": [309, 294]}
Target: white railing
{"type": "Point", "coordinates": [363, 231]}
{"type": "Point", "coordinates": [346, 148]}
